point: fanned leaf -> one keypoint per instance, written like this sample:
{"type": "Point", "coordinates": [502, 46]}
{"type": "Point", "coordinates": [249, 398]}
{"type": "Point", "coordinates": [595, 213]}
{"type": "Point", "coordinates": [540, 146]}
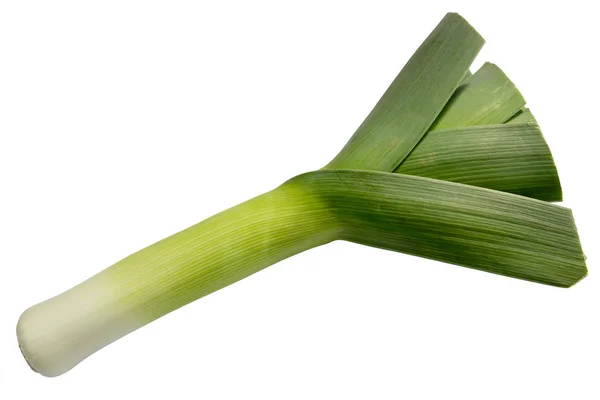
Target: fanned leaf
{"type": "Point", "coordinates": [487, 97]}
{"type": "Point", "coordinates": [474, 227]}
{"type": "Point", "coordinates": [509, 157]}
{"type": "Point", "coordinates": [414, 99]}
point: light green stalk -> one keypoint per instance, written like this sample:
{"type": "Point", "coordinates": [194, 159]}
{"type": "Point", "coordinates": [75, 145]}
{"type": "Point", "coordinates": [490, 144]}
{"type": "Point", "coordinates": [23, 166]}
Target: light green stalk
{"type": "Point", "coordinates": [58, 334]}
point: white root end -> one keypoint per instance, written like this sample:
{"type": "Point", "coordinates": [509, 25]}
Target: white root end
{"type": "Point", "coordinates": [56, 335]}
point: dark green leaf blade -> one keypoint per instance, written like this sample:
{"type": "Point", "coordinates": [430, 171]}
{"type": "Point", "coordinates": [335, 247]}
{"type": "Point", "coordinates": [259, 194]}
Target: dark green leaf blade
{"type": "Point", "coordinates": [485, 229]}
{"type": "Point", "coordinates": [487, 97]}
{"type": "Point", "coordinates": [508, 157]}
{"type": "Point", "coordinates": [414, 99]}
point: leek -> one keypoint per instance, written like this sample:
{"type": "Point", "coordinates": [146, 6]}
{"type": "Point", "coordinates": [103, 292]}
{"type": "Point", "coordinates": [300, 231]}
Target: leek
{"type": "Point", "coordinates": [356, 198]}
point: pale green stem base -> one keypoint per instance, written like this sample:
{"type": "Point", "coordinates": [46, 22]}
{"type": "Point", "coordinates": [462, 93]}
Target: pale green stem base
{"type": "Point", "coordinates": [57, 334]}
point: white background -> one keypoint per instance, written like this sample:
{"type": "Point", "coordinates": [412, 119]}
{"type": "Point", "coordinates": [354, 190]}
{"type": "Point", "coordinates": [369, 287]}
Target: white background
{"type": "Point", "coordinates": [122, 122]}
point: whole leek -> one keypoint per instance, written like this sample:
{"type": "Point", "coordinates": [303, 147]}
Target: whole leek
{"type": "Point", "coordinates": [357, 198]}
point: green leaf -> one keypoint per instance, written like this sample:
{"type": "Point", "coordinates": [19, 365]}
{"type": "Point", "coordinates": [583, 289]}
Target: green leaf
{"type": "Point", "coordinates": [414, 99]}
{"type": "Point", "coordinates": [487, 97]}
{"type": "Point", "coordinates": [509, 157]}
{"type": "Point", "coordinates": [474, 227]}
